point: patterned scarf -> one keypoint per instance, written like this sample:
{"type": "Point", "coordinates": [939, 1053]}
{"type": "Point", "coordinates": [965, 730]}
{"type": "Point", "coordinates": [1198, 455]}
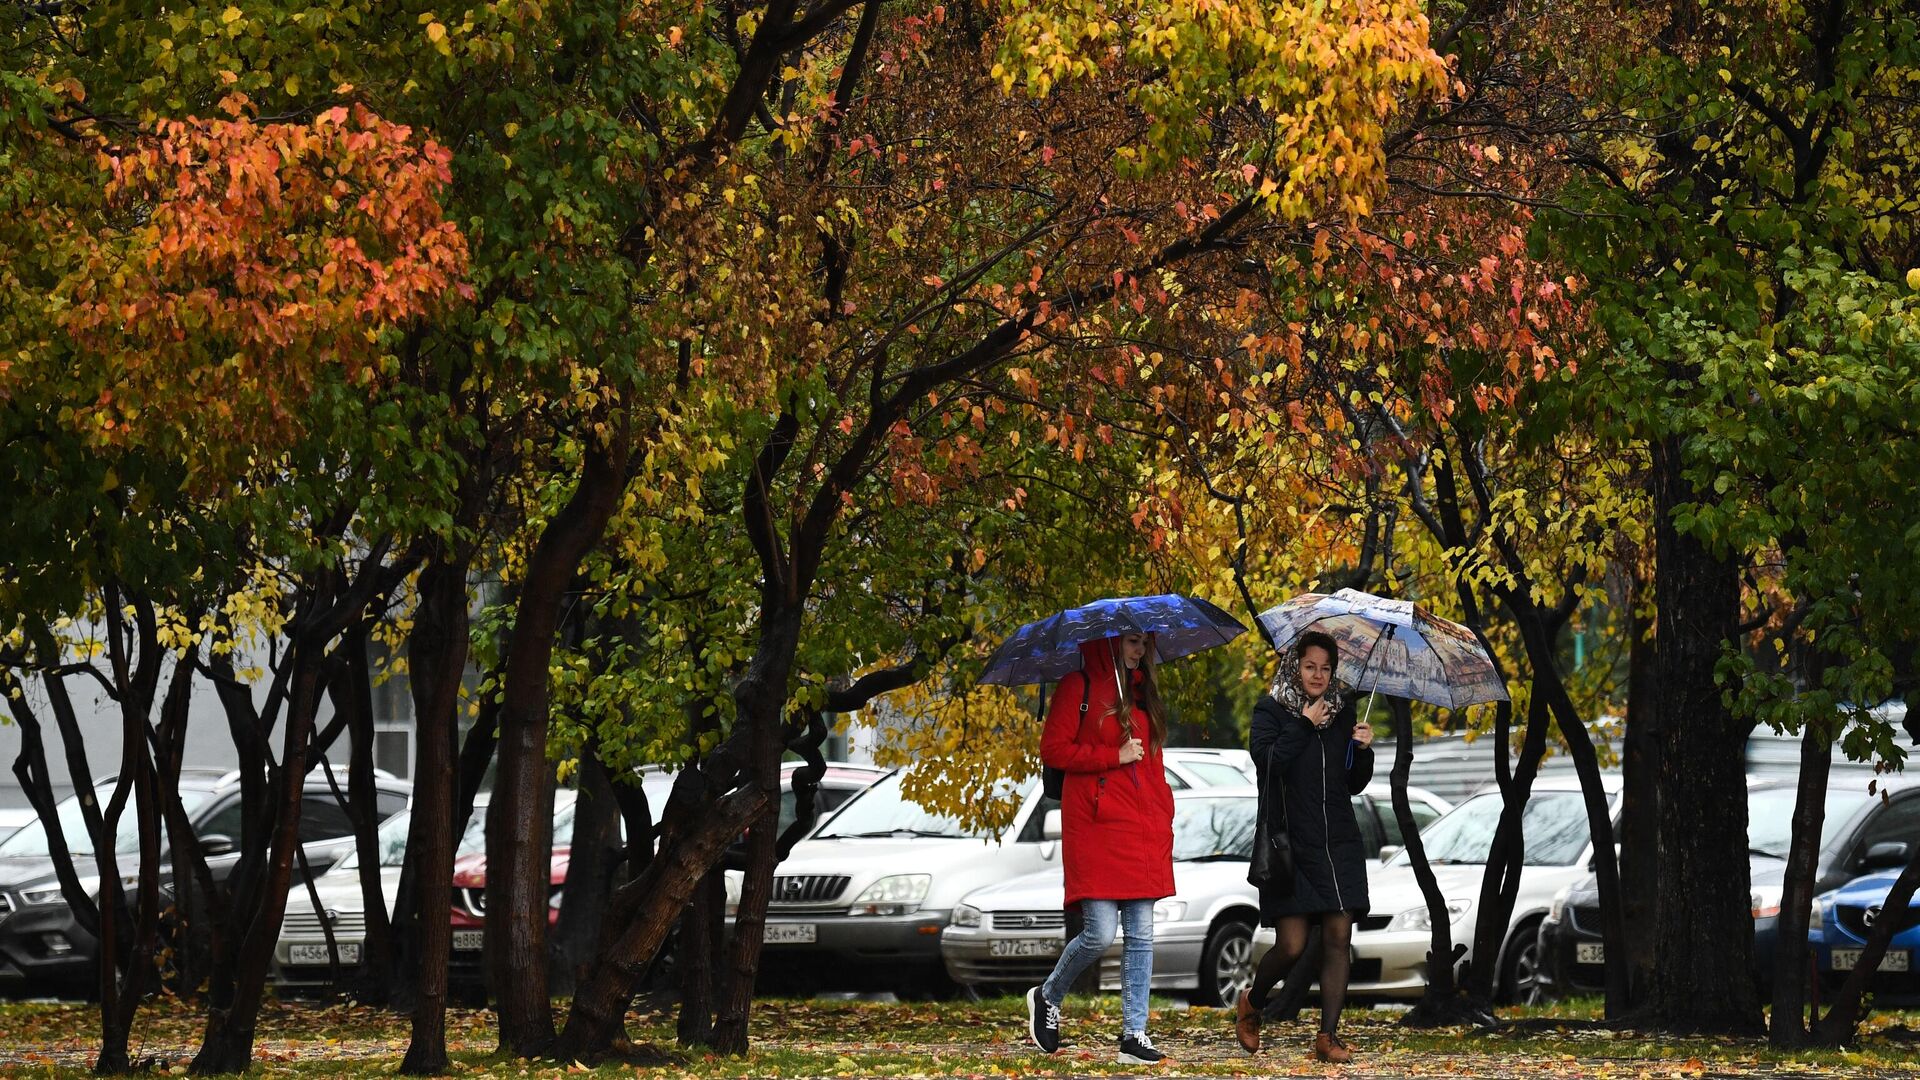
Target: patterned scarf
{"type": "Point", "coordinates": [1286, 686]}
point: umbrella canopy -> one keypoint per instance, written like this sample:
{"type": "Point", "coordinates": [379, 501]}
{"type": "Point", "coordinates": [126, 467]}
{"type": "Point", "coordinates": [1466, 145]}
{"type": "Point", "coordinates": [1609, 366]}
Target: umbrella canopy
{"type": "Point", "coordinates": [1397, 648]}
{"type": "Point", "coordinates": [1049, 649]}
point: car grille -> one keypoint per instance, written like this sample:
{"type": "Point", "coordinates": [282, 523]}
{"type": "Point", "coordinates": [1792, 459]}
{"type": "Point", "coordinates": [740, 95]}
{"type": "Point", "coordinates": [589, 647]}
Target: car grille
{"type": "Point", "coordinates": [6, 905]}
{"type": "Point", "coordinates": [808, 888]}
{"type": "Point", "coordinates": [303, 921]}
{"type": "Point", "coordinates": [1029, 920]}
{"type": "Point", "coordinates": [1376, 922]}
{"type": "Point", "coordinates": [1587, 918]}
{"type": "Point", "coordinates": [1854, 920]}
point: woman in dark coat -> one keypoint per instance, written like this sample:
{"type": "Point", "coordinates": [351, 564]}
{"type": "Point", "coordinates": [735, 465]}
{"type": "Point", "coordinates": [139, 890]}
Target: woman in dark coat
{"type": "Point", "coordinates": [1304, 729]}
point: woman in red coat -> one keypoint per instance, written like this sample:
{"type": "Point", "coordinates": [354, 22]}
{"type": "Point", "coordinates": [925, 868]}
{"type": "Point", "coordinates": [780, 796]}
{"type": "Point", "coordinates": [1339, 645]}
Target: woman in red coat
{"type": "Point", "coordinates": [1105, 731]}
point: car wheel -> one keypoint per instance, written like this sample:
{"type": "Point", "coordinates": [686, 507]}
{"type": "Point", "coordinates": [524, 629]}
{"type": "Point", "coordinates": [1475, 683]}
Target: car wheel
{"type": "Point", "coordinates": [1226, 964]}
{"type": "Point", "coordinates": [1520, 968]}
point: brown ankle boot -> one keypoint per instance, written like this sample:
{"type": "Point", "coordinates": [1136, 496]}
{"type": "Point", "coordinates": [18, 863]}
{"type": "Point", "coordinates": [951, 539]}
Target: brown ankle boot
{"type": "Point", "coordinates": [1246, 1023]}
{"type": "Point", "coordinates": [1328, 1047]}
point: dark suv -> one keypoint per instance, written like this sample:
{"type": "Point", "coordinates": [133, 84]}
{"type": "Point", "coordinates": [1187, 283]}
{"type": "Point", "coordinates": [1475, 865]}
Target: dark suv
{"type": "Point", "coordinates": [44, 949]}
{"type": "Point", "coordinates": [1853, 841]}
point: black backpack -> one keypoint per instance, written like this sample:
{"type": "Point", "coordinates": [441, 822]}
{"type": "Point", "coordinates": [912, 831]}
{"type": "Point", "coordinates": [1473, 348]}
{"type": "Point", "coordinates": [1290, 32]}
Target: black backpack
{"type": "Point", "coordinates": [1053, 782]}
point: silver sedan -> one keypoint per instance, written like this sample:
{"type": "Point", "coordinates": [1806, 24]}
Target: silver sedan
{"type": "Point", "coordinates": [1009, 935]}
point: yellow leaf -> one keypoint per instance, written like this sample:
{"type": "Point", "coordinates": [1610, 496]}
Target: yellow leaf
{"type": "Point", "coordinates": [1913, 279]}
{"type": "Point", "coordinates": [231, 15]}
{"type": "Point", "coordinates": [436, 31]}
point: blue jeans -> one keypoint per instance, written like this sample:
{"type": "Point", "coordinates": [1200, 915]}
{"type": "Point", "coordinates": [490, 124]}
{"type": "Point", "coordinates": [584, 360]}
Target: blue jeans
{"type": "Point", "coordinates": [1101, 918]}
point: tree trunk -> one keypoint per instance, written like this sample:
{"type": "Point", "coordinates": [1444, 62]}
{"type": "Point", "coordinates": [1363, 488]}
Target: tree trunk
{"type": "Point", "coordinates": [700, 958]}
{"type": "Point", "coordinates": [1500, 884]}
{"type": "Point", "coordinates": [1704, 947]}
{"type": "Point", "coordinates": [1639, 810]}
{"type": "Point", "coordinates": [519, 830]}
{"type": "Point", "coordinates": [645, 910]}
{"type": "Point", "coordinates": [1600, 831]}
{"type": "Point", "coordinates": [1439, 1005]}
{"type": "Point", "coordinates": [436, 661]}
{"type": "Point", "coordinates": [1790, 957]}
{"type": "Point", "coordinates": [761, 699]}
{"type": "Point", "coordinates": [351, 690]}
{"type": "Point", "coordinates": [595, 855]}
{"type": "Point", "coordinates": [227, 1045]}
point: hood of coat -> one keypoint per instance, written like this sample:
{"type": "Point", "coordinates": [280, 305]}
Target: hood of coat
{"type": "Point", "coordinates": [1100, 659]}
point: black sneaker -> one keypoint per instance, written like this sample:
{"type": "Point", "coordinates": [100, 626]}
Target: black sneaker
{"type": "Point", "coordinates": [1043, 1022]}
{"type": "Point", "coordinates": [1138, 1050]}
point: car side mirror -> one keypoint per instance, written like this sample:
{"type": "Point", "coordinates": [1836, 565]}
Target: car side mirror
{"type": "Point", "coordinates": [1388, 851]}
{"type": "Point", "coordinates": [217, 844]}
{"type": "Point", "coordinates": [1050, 826]}
{"type": "Point", "coordinates": [1886, 856]}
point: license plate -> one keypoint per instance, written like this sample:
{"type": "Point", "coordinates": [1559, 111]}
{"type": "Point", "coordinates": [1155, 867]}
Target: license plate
{"type": "Point", "coordinates": [788, 934]}
{"type": "Point", "coordinates": [469, 940]}
{"type": "Point", "coordinates": [318, 954]}
{"type": "Point", "coordinates": [1025, 947]}
{"type": "Point", "coordinates": [1895, 960]}
{"type": "Point", "coordinates": [1590, 952]}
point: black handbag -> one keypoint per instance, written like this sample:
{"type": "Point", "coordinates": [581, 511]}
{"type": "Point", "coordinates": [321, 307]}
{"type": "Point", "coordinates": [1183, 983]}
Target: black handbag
{"type": "Point", "coordinates": [1053, 782]}
{"type": "Point", "coordinates": [1271, 866]}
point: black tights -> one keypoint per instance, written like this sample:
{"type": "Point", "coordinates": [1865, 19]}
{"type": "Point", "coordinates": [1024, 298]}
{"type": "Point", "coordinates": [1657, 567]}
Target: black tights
{"type": "Point", "coordinates": [1336, 930]}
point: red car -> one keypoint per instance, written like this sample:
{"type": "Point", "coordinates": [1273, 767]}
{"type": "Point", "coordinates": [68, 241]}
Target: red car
{"type": "Point", "coordinates": [466, 970]}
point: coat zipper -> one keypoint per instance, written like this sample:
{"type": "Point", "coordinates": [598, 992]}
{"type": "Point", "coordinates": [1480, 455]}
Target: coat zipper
{"type": "Point", "coordinates": [1326, 827]}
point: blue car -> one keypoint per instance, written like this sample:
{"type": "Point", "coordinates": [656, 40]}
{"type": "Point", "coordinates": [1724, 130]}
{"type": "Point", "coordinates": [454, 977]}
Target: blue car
{"type": "Point", "coordinates": [1843, 918]}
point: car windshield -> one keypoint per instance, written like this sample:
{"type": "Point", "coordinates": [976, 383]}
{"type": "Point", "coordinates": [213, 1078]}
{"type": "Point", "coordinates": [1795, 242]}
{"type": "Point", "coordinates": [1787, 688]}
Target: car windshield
{"type": "Point", "coordinates": [1770, 817]}
{"type": "Point", "coordinates": [884, 810]}
{"type": "Point", "coordinates": [1213, 829]}
{"type": "Point", "coordinates": [392, 840]}
{"type": "Point", "coordinates": [1554, 823]}
{"type": "Point", "coordinates": [31, 841]}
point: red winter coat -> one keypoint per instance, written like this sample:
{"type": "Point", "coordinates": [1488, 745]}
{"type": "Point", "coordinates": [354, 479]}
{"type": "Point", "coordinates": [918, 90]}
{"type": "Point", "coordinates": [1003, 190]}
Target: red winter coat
{"type": "Point", "coordinates": [1116, 821]}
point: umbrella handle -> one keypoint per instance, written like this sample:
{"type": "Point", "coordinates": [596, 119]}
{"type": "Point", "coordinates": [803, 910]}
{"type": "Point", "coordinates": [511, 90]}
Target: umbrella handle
{"type": "Point", "coordinates": [1374, 693]}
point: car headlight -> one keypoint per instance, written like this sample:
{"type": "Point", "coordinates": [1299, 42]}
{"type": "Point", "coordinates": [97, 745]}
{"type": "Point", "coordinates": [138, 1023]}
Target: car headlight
{"type": "Point", "coordinates": [966, 915]}
{"type": "Point", "coordinates": [732, 879]}
{"type": "Point", "coordinates": [1559, 904]}
{"type": "Point", "coordinates": [1766, 901]}
{"type": "Point", "coordinates": [1817, 916]}
{"type": "Point", "coordinates": [900, 894]}
{"type": "Point", "coordinates": [51, 894]}
{"type": "Point", "coordinates": [1169, 911]}
{"type": "Point", "coordinates": [1417, 919]}
{"type": "Point", "coordinates": [553, 900]}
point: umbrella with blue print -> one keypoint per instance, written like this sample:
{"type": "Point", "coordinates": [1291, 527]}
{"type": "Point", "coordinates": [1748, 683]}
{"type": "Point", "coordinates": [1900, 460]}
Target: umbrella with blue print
{"type": "Point", "coordinates": [1049, 649]}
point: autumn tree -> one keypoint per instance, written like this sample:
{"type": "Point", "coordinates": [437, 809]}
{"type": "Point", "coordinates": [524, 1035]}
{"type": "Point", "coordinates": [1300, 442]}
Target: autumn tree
{"type": "Point", "coordinates": [1754, 146]}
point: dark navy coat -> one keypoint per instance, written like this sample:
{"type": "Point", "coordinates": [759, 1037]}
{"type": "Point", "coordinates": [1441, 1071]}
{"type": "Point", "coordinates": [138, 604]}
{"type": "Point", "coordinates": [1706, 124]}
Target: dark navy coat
{"type": "Point", "coordinates": [1329, 856]}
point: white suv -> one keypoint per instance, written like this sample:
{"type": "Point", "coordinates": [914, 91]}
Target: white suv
{"type": "Point", "coordinates": [861, 902]}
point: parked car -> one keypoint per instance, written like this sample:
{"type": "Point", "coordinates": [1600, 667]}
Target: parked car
{"type": "Point", "coordinates": [1207, 766]}
{"type": "Point", "coordinates": [1391, 941]}
{"type": "Point", "coordinates": [42, 944]}
{"type": "Point", "coordinates": [302, 958]}
{"type": "Point", "coordinates": [1860, 833]}
{"type": "Point", "coordinates": [861, 902]}
{"type": "Point", "coordinates": [1008, 936]}
{"type": "Point", "coordinates": [466, 966]}
{"type": "Point", "coordinates": [1380, 826]}
{"type": "Point", "coordinates": [12, 817]}
{"type": "Point", "coordinates": [1842, 919]}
